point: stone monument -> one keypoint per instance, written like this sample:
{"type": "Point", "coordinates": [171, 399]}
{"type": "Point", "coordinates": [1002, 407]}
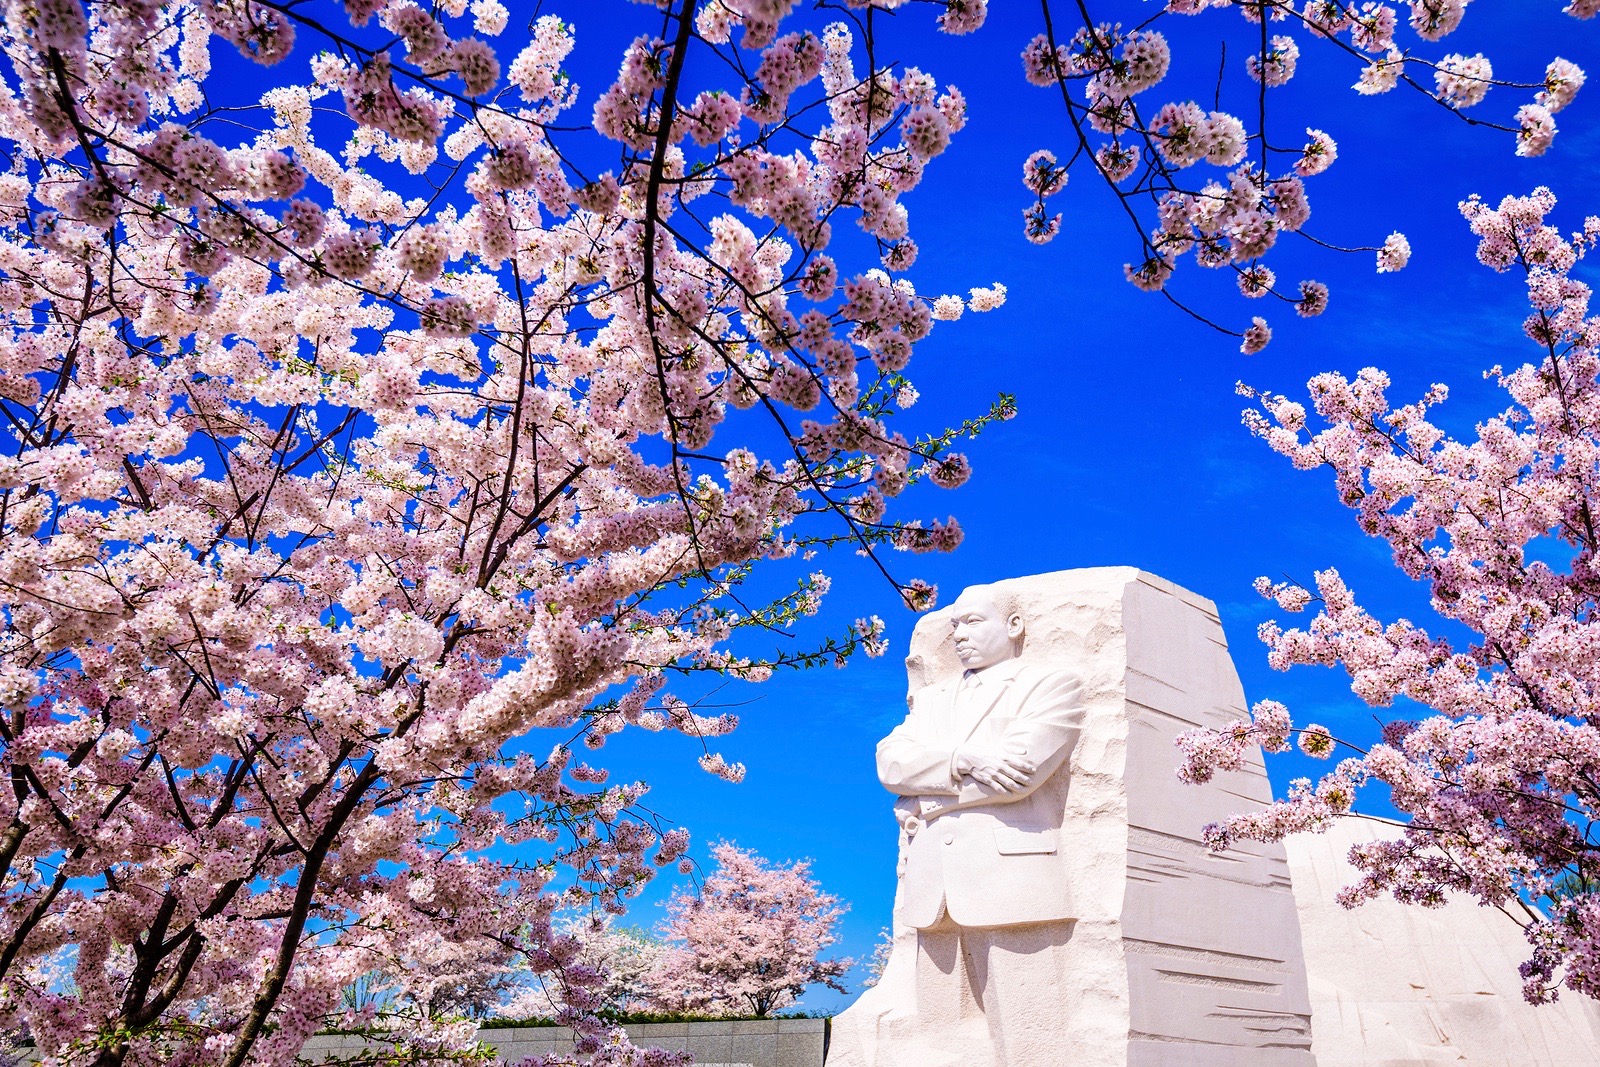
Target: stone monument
{"type": "Point", "coordinates": [1055, 903]}
{"type": "Point", "coordinates": [1395, 984]}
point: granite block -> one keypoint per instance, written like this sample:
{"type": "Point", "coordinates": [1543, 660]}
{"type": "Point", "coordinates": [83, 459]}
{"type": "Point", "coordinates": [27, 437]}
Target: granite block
{"type": "Point", "coordinates": [799, 1050]}
{"type": "Point", "coordinates": [754, 1047]}
{"type": "Point", "coordinates": [800, 1026]}
{"type": "Point", "coordinates": [711, 1046]}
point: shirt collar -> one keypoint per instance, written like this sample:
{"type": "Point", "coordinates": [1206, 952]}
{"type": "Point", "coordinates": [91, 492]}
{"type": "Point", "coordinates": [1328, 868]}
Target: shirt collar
{"type": "Point", "coordinates": [1004, 671]}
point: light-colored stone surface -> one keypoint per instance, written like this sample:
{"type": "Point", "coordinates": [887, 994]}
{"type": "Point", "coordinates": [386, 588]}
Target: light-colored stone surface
{"type": "Point", "coordinates": [715, 1043]}
{"type": "Point", "coordinates": [1173, 956]}
{"type": "Point", "coordinates": [1400, 986]}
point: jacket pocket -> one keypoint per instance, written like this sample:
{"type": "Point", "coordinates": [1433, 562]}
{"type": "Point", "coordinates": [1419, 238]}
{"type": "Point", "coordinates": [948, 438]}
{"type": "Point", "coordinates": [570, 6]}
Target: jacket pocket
{"type": "Point", "coordinates": [1010, 841]}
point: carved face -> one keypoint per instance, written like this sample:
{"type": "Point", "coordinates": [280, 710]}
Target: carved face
{"type": "Point", "coordinates": [983, 635]}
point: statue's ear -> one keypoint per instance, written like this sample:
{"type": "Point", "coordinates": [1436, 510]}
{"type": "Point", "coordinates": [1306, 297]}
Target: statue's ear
{"type": "Point", "coordinates": [1014, 626]}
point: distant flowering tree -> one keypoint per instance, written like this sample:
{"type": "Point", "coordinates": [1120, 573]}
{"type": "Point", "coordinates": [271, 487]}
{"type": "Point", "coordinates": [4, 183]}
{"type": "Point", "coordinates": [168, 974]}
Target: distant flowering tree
{"type": "Point", "coordinates": [357, 423]}
{"type": "Point", "coordinates": [751, 940]}
{"type": "Point", "coordinates": [444, 982]}
{"type": "Point", "coordinates": [1501, 777]}
{"type": "Point", "coordinates": [1213, 182]}
{"type": "Point", "coordinates": [606, 967]}
{"type": "Point", "coordinates": [624, 961]}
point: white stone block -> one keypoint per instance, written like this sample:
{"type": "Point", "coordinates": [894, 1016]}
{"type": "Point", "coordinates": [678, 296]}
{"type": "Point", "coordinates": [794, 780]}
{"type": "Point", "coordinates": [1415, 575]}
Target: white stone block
{"type": "Point", "coordinates": [1395, 984]}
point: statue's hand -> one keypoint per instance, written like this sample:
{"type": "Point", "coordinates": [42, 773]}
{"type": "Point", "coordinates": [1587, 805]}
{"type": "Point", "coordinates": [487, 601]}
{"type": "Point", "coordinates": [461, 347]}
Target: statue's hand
{"type": "Point", "coordinates": [1008, 771]}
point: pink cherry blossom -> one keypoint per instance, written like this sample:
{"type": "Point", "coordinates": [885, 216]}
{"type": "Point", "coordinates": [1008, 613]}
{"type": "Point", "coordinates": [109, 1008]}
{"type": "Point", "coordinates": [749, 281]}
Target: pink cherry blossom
{"type": "Point", "coordinates": [963, 16]}
{"type": "Point", "coordinates": [1313, 299]}
{"type": "Point", "coordinates": [1318, 155]}
{"type": "Point", "coordinates": [1538, 130]}
{"type": "Point", "coordinates": [1277, 65]}
{"type": "Point", "coordinates": [1394, 254]}
{"type": "Point", "coordinates": [1256, 337]}
{"type": "Point", "coordinates": [1562, 80]}
{"type": "Point", "coordinates": [1462, 81]}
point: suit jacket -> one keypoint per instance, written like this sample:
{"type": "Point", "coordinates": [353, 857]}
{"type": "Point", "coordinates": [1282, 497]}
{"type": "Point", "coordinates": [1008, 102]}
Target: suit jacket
{"type": "Point", "coordinates": [985, 856]}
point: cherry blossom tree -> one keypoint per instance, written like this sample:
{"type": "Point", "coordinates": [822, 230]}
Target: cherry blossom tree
{"type": "Point", "coordinates": [628, 959]}
{"type": "Point", "coordinates": [1220, 183]}
{"type": "Point", "coordinates": [450, 982]}
{"type": "Point", "coordinates": [363, 432]}
{"type": "Point", "coordinates": [751, 940]}
{"type": "Point", "coordinates": [1500, 774]}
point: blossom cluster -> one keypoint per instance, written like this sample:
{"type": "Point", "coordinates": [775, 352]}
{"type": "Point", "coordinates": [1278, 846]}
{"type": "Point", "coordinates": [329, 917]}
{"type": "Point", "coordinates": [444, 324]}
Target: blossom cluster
{"type": "Point", "coordinates": [1498, 775]}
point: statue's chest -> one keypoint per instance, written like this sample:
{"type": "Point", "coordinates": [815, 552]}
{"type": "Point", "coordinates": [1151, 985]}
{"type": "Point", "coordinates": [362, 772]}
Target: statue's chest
{"type": "Point", "coordinates": [978, 715]}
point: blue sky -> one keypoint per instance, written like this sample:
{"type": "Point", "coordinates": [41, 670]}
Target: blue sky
{"type": "Point", "coordinates": [1128, 447]}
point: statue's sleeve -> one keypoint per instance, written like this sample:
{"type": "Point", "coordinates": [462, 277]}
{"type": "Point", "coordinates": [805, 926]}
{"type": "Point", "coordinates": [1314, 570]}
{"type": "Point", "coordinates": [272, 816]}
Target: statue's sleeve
{"type": "Point", "coordinates": [909, 766]}
{"type": "Point", "coordinates": [1046, 727]}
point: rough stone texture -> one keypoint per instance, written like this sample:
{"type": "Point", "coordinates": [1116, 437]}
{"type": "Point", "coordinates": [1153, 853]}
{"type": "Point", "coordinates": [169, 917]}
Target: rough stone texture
{"type": "Point", "coordinates": [1395, 985]}
{"type": "Point", "coordinates": [718, 1043]}
{"type": "Point", "coordinates": [1177, 957]}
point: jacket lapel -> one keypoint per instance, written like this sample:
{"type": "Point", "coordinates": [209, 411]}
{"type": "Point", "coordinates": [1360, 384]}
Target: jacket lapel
{"type": "Point", "coordinates": [950, 707]}
{"type": "Point", "coordinates": [967, 729]}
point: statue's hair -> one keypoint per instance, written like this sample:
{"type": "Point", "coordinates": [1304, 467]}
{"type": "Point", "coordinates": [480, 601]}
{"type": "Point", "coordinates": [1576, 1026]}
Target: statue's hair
{"type": "Point", "coordinates": [1001, 597]}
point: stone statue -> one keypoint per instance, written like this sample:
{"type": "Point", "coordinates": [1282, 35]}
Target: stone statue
{"type": "Point", "coordinates": [980, 769]}
{"type": "Point", "coordinates": [1056, 904]}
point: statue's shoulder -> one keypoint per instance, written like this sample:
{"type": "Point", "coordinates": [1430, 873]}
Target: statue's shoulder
{"type": "Point", "coordinates": [1040, 677]}
{"type": "Point", "coordinates": [932, 689]}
